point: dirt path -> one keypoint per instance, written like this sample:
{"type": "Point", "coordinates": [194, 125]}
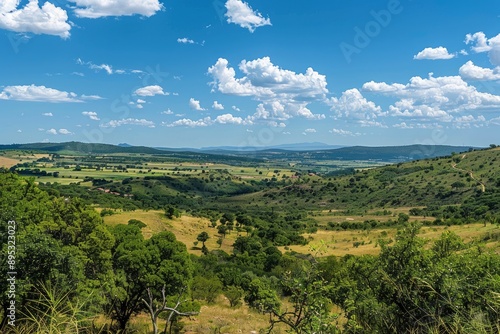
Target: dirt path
{"type": "Point", "coordinates": [454, 166]}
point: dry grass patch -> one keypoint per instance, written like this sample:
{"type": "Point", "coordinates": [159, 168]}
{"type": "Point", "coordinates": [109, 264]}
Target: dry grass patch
{"type": "Point", "coordinates": [220, 318]}
{"type": "Point", "coordinates": [359, 242]}
{"type": "Point", "coordinates": [185, 228]}
{"type": "Point", "coordinates": [8, 162]}
{"type": "Point", "coordinates": [217, 318]}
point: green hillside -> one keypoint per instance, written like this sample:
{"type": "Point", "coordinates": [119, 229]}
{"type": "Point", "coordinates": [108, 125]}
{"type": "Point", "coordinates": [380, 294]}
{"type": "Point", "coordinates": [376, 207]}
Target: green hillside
{"type": "Point", "coordinates": [461, 178]}
{"type": "Point", "coordinates": [381, 153]}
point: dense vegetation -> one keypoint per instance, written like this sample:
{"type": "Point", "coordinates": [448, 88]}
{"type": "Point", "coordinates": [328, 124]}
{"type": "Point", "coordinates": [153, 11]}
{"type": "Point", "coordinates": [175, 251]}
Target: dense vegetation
{"type": "Point", "coordinates": [77, 274]}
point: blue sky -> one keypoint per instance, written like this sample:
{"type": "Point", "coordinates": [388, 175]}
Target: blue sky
{"type": "Point", "coordinates": [195, 73]}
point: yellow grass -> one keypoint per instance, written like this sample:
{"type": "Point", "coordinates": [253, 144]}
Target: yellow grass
{"type": "Point", "coordinates": [185, 228]}
{"type": "Point", "coordinates": [8, 162]}
{"type": "Point", "coordinates": [220, 318]}
{"type": "Point", "coordinates": [322, 243]}
{"type": "Point", "coordinates": [340, 243]}
{"type": "Point", "coordinates": [216, 318]}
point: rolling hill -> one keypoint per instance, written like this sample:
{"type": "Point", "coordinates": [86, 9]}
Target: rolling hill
{"type": "Point", "coordinates": [472, 177]}
{"type": "Point", "coordinates": [305, 153]}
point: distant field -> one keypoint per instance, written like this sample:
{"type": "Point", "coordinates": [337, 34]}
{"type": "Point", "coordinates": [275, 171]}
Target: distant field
{"type": "Point", "coordinates": [113, 170]}
{"type": "Point", "coordinates": [12, 158]}
{"type": "Point", "coordinates": [8, 162]}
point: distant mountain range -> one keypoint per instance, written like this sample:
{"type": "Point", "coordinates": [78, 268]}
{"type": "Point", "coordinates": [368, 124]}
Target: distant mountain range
{"type": "Point", "coordinates": [218, 149]}
{"type": "Point", "coordinates": [288, 147]}
{"type": "Point", "coordinates": [301, 151]}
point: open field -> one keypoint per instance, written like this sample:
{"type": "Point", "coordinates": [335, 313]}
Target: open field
{"type": "Point", "coordinates": [321, 243]}
{"type": "Point", "coordinates": [213, 318]}
{"type": "Point", "coordinates": [8, 162]}
{"type": "Point", "coordinates": [185, 228]}
{"type": "Point", "coordinates": [12, 158]}
{"type": "Point", "coordinates": [340, 243]}
{"type": "Point", "coordinates": [116, 171]}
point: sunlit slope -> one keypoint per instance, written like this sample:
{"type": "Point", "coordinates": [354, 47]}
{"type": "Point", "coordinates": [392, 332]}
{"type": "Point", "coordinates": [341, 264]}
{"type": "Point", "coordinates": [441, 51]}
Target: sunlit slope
{"type": "Point", "coordinates": [449, 180]}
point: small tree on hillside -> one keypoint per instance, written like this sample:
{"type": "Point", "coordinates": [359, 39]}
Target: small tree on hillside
{"type": "Point", "coordinates": [172, 212]}
{"type": "Point", "coordinates": [203, 236]}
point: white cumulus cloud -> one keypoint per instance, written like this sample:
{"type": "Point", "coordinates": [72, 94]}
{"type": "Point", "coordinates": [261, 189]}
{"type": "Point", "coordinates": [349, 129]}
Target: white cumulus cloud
{"type": "Point", "coordinates": [195, 104]}
{"type": "Point", "coordinates": [37, 94]}
{"type": "Point", "coordinates": [342, 132]}
{"type": "Point", "coordinates": [52, 131]}
{"type": "Point", "coordinates": [434, 97]}
{"type": "Point", "coordinates": [353, 104]}
{"type": "Point", "coordinates": [207, 121]}
{"type": "Point", "coordinates": [65, 132]}
{"type": "Point", "coordinates": [480, 43]}
{"type": "Point", "coordinates": [434, 53]}
{"type": "Point", "coordinates": [469, 71]}
{"type": "Point", "coordinates": [31, 18]}
{"type": "Point", "coordinates": [468, 121]}
{"type": "Point", "coordinates": [230, 119]}
{"type": "Point", "coordinates": [217, 106]}
{"type": "Point", "coordinates": [371, 123]}
{"type": "Point", "coordinates": [240, 13]}
{"type": "Point", "coordinates": [48, 114]}
{"type": "Point", "coordinates": [190, 123]}
{"type": "Point", "coordinates": [150, 91]}
{"type": "Point", "coordinates": [128, 121]}
{"type": "Point", "coordinates": [91, 114]}
{"type": "Point", "coordinates": [101, 8]}
{"type": "Point", "coordinates": [185, 40]}
{"type": "Point", "coordinates": [283, 93]}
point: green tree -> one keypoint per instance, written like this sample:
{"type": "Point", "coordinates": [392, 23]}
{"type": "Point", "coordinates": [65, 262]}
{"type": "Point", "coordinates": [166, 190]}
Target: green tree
{"type": "Point", "coordinates": [158, 263]}
{"type": "Point", "coordinates": [172, 212]}
{"type": "Point", "coordinates": [311, 307]}
{"type": "Point", "coordinates": [260, 296]}
{"type": "Point", "coordinates": [207, 289]}
{"type": "Point", "coordinates": [137, 223]}
{"type": "Point", "coordinates": [410, 288]}
{"type": "Point", "coordinates": [64, 243]}
{"type": "Point", "coordinates": [203, 237]}
{"type": "Point", "coordinates": [234, 295]}
{"type": "Point", "coordinates": [222, 230]}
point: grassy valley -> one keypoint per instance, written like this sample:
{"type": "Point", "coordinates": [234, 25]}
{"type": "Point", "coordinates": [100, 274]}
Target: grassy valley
{"type": "Point", "coordinates": [249, 243]}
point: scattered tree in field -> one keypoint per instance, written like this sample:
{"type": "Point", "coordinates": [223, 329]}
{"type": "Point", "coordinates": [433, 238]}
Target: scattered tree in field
{"type": "Point", "coordinates": [203, 236]}
{"type": "Point", "coordinates": [219, 242]}
{"type": "Point", "coordinates": [172, 212]}
{"type": "Point", "coordinates": [137, 223]}
{"type": "Point", "coordinates": [222, 230]}
{"type": "Point", "coordinates": [234, 295]}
